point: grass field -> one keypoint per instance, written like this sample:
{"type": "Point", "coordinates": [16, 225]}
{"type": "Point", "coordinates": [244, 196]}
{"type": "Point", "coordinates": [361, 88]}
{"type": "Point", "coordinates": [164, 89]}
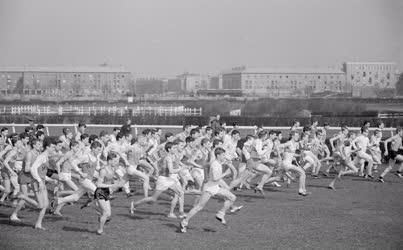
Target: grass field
{"type": "Point", "coordinates": [360, 214]}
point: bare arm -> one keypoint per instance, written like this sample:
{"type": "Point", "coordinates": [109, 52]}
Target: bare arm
{"type": "Point", "coordinates": [7, 160]}
{"type": "Point", "coordinates": [170, 166]}
{"type": "Point", "coordinates": [41, 159]}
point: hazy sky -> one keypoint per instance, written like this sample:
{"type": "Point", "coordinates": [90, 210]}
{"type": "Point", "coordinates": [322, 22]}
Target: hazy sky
{"type": "Point", "coordinates": [166, 37]}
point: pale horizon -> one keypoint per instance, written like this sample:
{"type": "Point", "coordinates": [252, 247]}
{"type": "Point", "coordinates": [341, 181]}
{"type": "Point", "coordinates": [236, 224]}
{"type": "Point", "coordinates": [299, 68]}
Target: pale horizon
{"type": "Point", "coordinates": [167, 38]}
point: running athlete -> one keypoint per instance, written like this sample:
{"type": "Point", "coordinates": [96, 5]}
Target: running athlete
{"type": "Point", "coordinates": [394, 155]}
{"type": "Point", "coordinates": [361, 143]}
{"type": "Point", "coordinates": [214, 186]}
{"type": "Point", "coordinates": [168, 179]}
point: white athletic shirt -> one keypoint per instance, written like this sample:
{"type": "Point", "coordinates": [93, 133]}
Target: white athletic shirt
{"type": "Point", "coordinates": [230, 148]}
{"type": "Point", "coordinates": [362, 142]}
{"type": "Point", "coordinates": [215, 170]}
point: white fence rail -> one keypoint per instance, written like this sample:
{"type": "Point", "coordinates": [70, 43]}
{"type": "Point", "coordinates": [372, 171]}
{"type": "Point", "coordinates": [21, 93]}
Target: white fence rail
{"type": "Point", "coordinates": [100, 110]}
{"type": "Point", "coordinates": [136, 128]}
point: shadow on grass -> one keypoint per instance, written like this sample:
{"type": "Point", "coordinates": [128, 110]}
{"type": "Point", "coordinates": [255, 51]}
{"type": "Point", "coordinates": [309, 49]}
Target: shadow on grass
{"type": "Point", "coordinates": [15, 224]}
{"type": "Point", "coordinates": [209, 230]}
{"type": "Point", "coordinates": [148, 213]}
{"type": "Point", "coordinates": [174, 226]}
{"type": "Point", "coordinates": [317, 186]}
{"type": "Point", "coordinates": [131, 216]}
{"type": "Point", "coordinates": [364, 180]}
{"type": "Point", "coordinates": [4, 215]}
{"type": "Point", "coordinates": [256, 196]}
{"type": "Point", "coordinates": [77, 229]}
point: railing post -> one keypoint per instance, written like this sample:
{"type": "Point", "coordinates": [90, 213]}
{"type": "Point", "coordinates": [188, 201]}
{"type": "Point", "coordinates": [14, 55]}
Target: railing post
{"type": "Point", "coordinates": [47, 131]}
{"type": "Point", "coordinates": [136, 132]}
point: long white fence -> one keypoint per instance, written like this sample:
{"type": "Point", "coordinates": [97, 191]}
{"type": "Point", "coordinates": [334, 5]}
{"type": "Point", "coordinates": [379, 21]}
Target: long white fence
{"type": "Point", "coordinates": [100, 110]}
{"type": "Point", "coordinates": [14, 127]}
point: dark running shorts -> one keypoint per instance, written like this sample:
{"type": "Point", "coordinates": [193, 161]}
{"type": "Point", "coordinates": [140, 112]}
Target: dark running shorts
{"type": "Point", "coordinates": [102, 194]}
{"type": "Point", "coordinates": [25, 178]}
{"type": "Point", "coordinates": [50, 172]}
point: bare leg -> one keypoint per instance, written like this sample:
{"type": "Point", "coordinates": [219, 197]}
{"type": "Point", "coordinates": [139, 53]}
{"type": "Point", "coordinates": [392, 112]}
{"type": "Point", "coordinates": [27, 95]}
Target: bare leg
{"type": "Point", "coordinates": [106, 213]}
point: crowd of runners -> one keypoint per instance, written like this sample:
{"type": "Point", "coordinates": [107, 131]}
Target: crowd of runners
{"type": "Point", "coordinates": [198, 163]}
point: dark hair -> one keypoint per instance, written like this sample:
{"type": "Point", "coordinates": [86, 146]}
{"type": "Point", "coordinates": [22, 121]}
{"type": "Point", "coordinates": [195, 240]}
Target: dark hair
{"type": "Point", "coordinates": [49, 141]}
{"type": "Point", "coordinates": [189, 139]}
{"type": "Point", "coordinates": [92, 138]}
{"type": "Point", "coordinates": [325, 124]}
{"type": "Point", "coordinates": [272, 132]}
{"type": "Point", "coordinates": [204, 141]}
{"type": "Point", "coordinates": [168, 146]}
{"type": "Point", "coordinates": [96, 144]}
{"type": "Point", "coordinates": [73, 143]}
{"type": "Point", "coordinates": [235, 132]}
{"type": "Point", "coordinates": [33, 141]}
{"type": "Point", "coordinates": [216, 142]}
{"type": "Point", "coordinates": [4, 129]}
{"type": "Point", "coordinates": [168, 134]}
{"type": "Point", "coordinates": [84, 136]}
{"type": "Point", "coordinates": [116, 129]}
{"type": "Point", "coordinates": [261, 134]}
{"type": "Point", "coordinates": [23, 135]}
{"type": "Point", "coordinates": [39, 134]}
{"type": "Point", "coordinates": [82, 125]}
{"type": "Point", "coordinates": [133, 140]}
{"type": "Point", "coordinates": [146, 131]}
{"type": "Point", "coordinates": [66, 130]}
{"type": "Point", "coordinates": [208, 128]}
{"type": "Point", "coordinates": [120, 135]}
{"type": "Point", "coordinates": [218, 151]}
{"type": "Point", "coordinates": [234, 124]}
{"type": "Point", "coordinates": [194, 131]}
{"type": "Point", "coordinates": [248, 137]}
{"type": "Point", "coordinates": [378, 124]}
{"type": "Point", "coordinates": [13, 140]}
{"type": "Point", "coordinates": [28, 129]}
{"type": "Point", "coordinates": [39, 126]}
{"type": "Point", "coordinates": [185, 126]}
{"type": "Point", "coordinates": [111, 156]}
{"type": "Point", "coordinates": [177, 141]}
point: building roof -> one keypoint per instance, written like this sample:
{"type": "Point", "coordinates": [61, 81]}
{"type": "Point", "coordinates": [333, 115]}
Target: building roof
{"type": "Point", "coordinates": [389, 63]}
{"type": "Point", "coordinates": [98, 69]}
{"type": "Point", "coordinates": [276, 70]}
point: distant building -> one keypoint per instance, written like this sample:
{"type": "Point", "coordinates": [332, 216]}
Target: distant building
{"type": "Point", "coordinates": [377, 74]}
{"type": "Point", "coordinates": [194, 82]}
{"type": "Point", "coordinates": [176, 85]}
{"type": "Point", "coordinates": [369, 78]}
{"type": "Point", "coordinates": [65, 81]}
{"type": "Point", "coordinates": [215, 82]}
{"type": "Point", "coordinates": [154, 86]}
{"type": "Point", "coordinates": [284, 82]}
